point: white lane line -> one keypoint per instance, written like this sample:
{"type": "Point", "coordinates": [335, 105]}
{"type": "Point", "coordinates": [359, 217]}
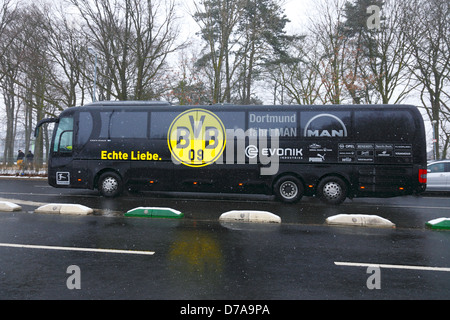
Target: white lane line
{"type": "Point", "coordinates": [24, 202]}
{"type": "Point", "coordinates": [391, 266]}
{"type": "Point", "coordinates": [29, 246]}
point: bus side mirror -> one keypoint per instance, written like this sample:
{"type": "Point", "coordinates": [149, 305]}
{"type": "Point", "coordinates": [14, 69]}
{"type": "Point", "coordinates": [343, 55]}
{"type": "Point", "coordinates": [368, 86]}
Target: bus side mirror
{"type": "Point", "coordinates": [40, 123]}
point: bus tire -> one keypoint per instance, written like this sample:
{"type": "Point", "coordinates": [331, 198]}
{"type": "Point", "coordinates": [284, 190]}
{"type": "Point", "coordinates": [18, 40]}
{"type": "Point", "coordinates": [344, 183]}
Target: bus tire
{"type": "Point", "coordinates": [332, 190]}
{"type": "Point", "coordinates": [110, 184]}
{"type": "Point", "coordinates": [289, 189]}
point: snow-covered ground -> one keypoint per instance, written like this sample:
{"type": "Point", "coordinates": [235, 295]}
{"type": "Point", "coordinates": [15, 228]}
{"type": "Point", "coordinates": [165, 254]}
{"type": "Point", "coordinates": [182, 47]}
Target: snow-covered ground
{"type": "Point", "coordinates": [21, 173]}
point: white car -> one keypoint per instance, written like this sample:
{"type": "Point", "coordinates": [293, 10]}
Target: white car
{"type": "Point", "coordinates": [438, 177]}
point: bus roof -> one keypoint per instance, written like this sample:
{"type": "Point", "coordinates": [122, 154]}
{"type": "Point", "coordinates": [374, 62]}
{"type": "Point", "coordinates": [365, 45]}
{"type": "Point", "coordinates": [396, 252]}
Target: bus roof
{"type": "Point", "coordinates": [162, 105]}
{"type": "Point", "coordinates": [165, 103]}
{"type": "Point", "coordinates": [127, 103]}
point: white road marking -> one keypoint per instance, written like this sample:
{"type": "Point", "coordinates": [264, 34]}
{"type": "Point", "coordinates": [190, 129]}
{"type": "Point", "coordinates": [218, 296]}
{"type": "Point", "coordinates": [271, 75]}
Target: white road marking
{"type": "Point", "coordinates": [402, 206]}
{"type": "Point", "coordinates": [29, 246]}
{"type": "Point", "coordinates": [391, 266]}
{"type": "Point", "coordinates": [24, 202]}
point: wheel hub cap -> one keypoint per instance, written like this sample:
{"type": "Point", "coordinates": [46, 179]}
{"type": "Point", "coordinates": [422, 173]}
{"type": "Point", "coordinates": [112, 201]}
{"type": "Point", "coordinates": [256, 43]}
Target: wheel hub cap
{"type": "Point", "coordinates": [332, 190]}
{"type": "Point", "coordinates": [288, 189]}
{"type": "Point", "coordinates": [110, 184]}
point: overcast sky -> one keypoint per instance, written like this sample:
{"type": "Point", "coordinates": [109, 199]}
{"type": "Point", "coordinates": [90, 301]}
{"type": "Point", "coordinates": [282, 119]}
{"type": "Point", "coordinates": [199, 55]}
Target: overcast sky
{"type": "Point", "coordinates": [299, 12]}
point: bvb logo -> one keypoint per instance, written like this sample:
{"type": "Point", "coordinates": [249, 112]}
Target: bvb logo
{"type": "Point", "coordinates": [196, 138]}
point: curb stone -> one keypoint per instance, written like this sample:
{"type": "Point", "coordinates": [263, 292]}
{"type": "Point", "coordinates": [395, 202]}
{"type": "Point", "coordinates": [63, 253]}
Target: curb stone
{"type": "Point", "coordinates": [359, 220]}
{"type": "Point", "coordinates": [64, 208]}
{"type": "Point", "coordinates": [154, 212]}
{"type": "Point", "coordinates": [439, 223]}
{"type": "Point", "coordinates": [9, 206]}
{"type": "Point", "coordinates": [250, 216]}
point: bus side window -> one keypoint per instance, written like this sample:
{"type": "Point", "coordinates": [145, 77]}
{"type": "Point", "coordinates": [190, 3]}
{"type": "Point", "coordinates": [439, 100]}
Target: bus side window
{"type": "Point", "coordinates": [386, 126]}
{"type": "Point", "coordinates": [64, 136]}
{"type": "Point", "coordinates": [160, 123]}
{"type": "Point", "coordinates": [131, 125]}
{"type": "Point", "coordinates": [85, 127]}
{"type": "Point", "coordinates": [124, 125]}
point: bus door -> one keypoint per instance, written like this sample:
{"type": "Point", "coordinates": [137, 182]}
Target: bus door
{"type": "Point", "coordinates": [61, 155]}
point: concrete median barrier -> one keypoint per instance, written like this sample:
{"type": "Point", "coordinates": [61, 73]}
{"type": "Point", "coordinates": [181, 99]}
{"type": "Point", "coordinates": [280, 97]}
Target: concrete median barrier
{"type": "Point", "coordinates": [439, 224]}
{"type": "Point", "coordinates": [7, 206]}
{"type": "Point", "coordinates": [64, 208]}
{"type": "Point", "coordinates": [154, 212]}
{"type": "Point", "coordinates": [359, 220]}
{"type": "Point", "coordinates": [250, 216]}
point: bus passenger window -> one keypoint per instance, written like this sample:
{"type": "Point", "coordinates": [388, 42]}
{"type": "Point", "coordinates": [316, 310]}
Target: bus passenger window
{"type": "Point", "coordinates": [129, 125]}
{"type": "Point", "coordinates": [386, 126]}
{"type": "Point", "coordinates": [123, 124]}
{"type": "Point", "coordinates": [232, 120]}
{"type": "Point", "coordinates": [273, 123]}
{"type": "Point", "coordinates": [160, 123]}
{"type": "Point", "coordinates": [85, 126]}
{"type": "Point", "coordinates": [64, 135]}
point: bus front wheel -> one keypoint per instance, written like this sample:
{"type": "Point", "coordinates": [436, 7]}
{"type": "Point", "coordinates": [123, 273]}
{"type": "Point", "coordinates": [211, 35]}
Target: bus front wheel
{"type": "Point", "coordinates": [332, 190]}
{"type": "Point", "coordinates": [289, 189]}
{"type": "Point", "coordinates": [110, 184]}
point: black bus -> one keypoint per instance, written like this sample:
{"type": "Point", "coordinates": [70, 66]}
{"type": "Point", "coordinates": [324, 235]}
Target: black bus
{"type": "Point", "coordinates": [330, 151]}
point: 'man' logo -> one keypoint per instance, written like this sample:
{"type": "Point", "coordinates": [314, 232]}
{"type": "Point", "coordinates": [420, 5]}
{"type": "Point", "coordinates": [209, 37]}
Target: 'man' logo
{"type": "Point", "coordinates": [325, 125]}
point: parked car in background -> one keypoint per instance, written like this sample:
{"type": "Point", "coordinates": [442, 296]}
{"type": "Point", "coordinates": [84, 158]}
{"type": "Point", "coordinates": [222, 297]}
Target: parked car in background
{"type": "Point", "coordinates": [438, 177]}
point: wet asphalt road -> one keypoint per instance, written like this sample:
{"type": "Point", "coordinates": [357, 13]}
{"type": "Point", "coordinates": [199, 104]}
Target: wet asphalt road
{"type": "Point", "coordinates": [405, 212]}
{"type": "Point", "coordinates": [197, 257]}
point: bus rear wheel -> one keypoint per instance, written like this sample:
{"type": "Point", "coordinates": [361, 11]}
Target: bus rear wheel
{"type": "Point", "coordinates": [289, 189]}
{"type": "Point", "coordinates": [110, 185]}
{"type": "Point", "coordinates": [332, 190]}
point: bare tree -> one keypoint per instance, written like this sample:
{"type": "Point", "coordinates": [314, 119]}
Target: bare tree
{"type": "Point", "coordinates": [328, 31]}
{"type": "Point", "coordinates": [10, 58]}
{"type": "Point", "coordinates": [27, 75]}
{"type": "Point", "coordinates": [300, 78]}
{"type": "Point", "coordinates": [188, 87]}
{"type": "Point", "coordinates": [67, 51]}
{"type": "Point", "coordinates": [429, 37]}
{"type": "Point", "coordinates": [384, 52]}
{"type": "Point", "coordinates": [132, 40]}
{"type": "Point", "coordinates": [35, 84]}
